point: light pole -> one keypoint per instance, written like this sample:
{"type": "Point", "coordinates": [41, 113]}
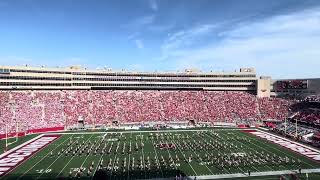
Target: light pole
{"type": "Point", "coordinates": [6, 137]}
{"type": "Point", "coordinates": [296, 127]}
{"type": "Point", "coordinates": [285, 126]}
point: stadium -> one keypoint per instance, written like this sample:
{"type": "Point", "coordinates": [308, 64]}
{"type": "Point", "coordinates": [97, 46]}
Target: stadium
{"type": "Point", "coordinates": [77, 123]}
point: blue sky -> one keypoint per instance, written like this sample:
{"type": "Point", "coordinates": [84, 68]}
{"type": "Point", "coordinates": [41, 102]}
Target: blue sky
{"type": "Point", "coordinates": [280, 38]}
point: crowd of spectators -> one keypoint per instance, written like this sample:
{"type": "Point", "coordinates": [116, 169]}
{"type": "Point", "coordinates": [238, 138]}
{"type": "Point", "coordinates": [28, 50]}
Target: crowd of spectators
{"type": "Point", "coordinates": [273, 108]}
{"type": "Point", "coordinates": [313, 98]}
{"type": "Point", "coordinates": [291, 84]}
{"type": "Point", "coordinates": [308, 116]}
{"type": "Point", "coordinates": [46, 109]}
{"type": "Point", "coordinates": [306, 111]}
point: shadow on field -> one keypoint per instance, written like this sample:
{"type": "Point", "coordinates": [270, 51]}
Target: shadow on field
{"type": "Point", "coordinates": [137, 174]}
{"type": "Point", "coordinates": [107, 175]}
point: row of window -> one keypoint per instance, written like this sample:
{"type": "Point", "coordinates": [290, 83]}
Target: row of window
{"type": "Point", "coordinates": [117, 85]}
{"type": "Point", "coordinates": [4, 71]}
{"type": "Point", "coordinates": [120, 79]}
{"type": "Point", "coordinates": [36, 71]}
{"type": "Point", "coordinates": [161, 80]}
{"type": "Point", "coordinates": [293, 91]}
{"type": "Point", "coordinates": [162, 75]}
{"type": "Point", "coordinates": [35, 78]}
{"type": "Point", "coordinates": [163, 85]}
{"type": "Point", "coordinates": [132, 74]}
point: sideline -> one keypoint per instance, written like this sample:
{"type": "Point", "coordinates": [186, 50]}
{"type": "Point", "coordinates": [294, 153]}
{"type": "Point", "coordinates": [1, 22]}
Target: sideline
{"type": "Point", "coordinates": [18, 147]}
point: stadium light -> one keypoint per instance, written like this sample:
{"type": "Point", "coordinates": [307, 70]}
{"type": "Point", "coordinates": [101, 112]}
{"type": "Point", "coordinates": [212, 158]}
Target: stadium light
{"type": "Point", "coordinates": [6, 137]}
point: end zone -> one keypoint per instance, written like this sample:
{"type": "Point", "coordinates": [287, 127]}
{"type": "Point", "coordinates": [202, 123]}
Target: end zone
{"type": "Point", "coordinates": [14, 157]}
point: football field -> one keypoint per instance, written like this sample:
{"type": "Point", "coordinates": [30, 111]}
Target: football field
{"type": "Point", "coordinates": [163, 154]}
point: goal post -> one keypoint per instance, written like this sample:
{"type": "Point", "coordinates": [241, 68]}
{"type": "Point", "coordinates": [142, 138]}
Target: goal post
{"type": "Point", "coordinates": [11, 136]}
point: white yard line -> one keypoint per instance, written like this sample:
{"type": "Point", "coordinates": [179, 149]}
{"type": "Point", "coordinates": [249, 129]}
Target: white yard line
{"type": "Point", "coordinates": [101, 156]}
{"type": "Point", "coordinates": [197, 155]}
{"type": "Point", "coordinates": [52, 162]}
{"type": "Point", "coordinates": [25, 172]}
{"type": "Point", "coordinates": [157, 156]}
{"type": "Point", "coordinates": [174, 130]}
{"type": "Point", "coordinates": [187, 161]}
{"type": "Point", "coordinates": [205, 164]}
{"type": "Point", "coordinates": [309, 147]}
{"type": "Point", "coordinates": [255, 150]}
{"type": "Point", "coordinates": [145, 174]}
{"type": "Point", "coordinates": [214, 139]}
{"type": "Point", "coordinates": [129, 160]}
{"type": "Point", "coordinates": [267, 151]}
{"type": "Point", "coordinates": [18, 147]}
{"type": "Point", "coordinates": [284, 152]}
{"type": "Point", "coordinates": [114, 160]}
{"type": "Point", "coordinates": [71, 159]}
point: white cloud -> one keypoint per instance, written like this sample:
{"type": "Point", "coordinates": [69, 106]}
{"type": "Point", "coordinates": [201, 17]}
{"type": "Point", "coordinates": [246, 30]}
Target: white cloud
{"type": "Point", "coordinates": [153, 5]}
{"type": "Point", "coordinates": [175, 43]}
{"type": "Point", "coordinates": [145, 20]}
{"type": "Point", "coordinates": [133, 35]}
{"type": "Point", "coordinates": [140, 22]}
{"type": "Point", "coordinates": [161, 27]}
{"type": "Point", "coordinates": [283, 46]}
{"type": "Point", "coordinates": [184, 38]}
{"type": "Point", "coordinates": [139, 43]}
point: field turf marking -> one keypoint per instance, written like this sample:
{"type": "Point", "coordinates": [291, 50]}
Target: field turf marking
{"type": "Point", "coordinates": [248, 147]}
{"type": "Point", "coordinates": [187, 161]}
{"type": "Point", "coordinates": [71, 159]}
{"type": "Point", "coordinates": [260, 147]}
{"type": "Point", "coordinates": [213, 140]}
{"type": "Point", "coordinates": [115, 158]}
{"type": "Point", "coordinates": [224, 140]}
{"type": "Point", "coordinates": [145, 174]}
{"type": "Point", "coordinates": [18, 147]}
{"type": "Point", "coordinates": [303, 145]}
{"type": "Point", "coordinates": [53, 161]}
{"type": "Point", "coordinates": [192, 149]}
{"type": "Point", "coordinates": [263, 149]}
{"type": "Point", "coordinates": [279, 150]}
{"type": "Point", "coordinates": [85, 159]}
{"type": "Point", "coordinates": [41, 159]}
{"type": "Point", "coordinates": [101, 156]}
{"type": "Point", "coordinates": [128, 177]}
{"type": "Point", "coordinates": [207, 153]}
{"type": "Point", "coordinates": [157, 156]}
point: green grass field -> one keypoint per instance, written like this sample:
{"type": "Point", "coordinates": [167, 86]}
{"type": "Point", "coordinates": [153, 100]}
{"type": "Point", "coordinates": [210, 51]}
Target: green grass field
{"type": "Point", "coordinates": [138, 155]}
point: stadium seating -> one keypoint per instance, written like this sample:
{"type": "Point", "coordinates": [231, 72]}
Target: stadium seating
{"type": "Point", "coordinates": [310, 116]}
{"type": "Point", "coordinates": [51, 109]}
{"type": "Point", "coordinates": [306, 111]}
{"type": "Point", "coordinates": [312, 98]}
{"type": "Point", "coordinates": [273, 108]}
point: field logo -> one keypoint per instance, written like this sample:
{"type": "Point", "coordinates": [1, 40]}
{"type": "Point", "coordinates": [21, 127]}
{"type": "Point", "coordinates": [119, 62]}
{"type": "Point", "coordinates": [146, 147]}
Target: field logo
{"type": "Point", "coordinates": [304, 150]}
{"type": "Point", "coordinates": [12, 159]}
